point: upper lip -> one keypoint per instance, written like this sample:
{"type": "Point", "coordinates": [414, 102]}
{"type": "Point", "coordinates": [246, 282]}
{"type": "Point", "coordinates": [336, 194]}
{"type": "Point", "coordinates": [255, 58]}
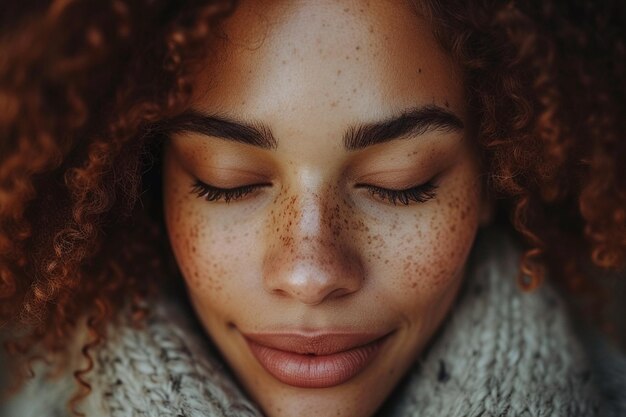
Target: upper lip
{"type": "Point", "coordinates": [314, 343]}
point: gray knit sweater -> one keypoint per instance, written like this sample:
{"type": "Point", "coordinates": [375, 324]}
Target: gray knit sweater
{"type": "Point", "coordinates": [500, 352]}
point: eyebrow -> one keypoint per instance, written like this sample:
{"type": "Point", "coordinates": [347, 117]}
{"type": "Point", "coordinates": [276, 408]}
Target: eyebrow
{"type": "Point", "coordinates": [256, 134]}
{"type": "Point", "coordinates": [412, 122]}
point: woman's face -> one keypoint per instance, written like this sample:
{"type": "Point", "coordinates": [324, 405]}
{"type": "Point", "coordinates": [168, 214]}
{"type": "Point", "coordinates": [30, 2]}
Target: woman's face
{"type": "Point", "coordinates": [343, 129]}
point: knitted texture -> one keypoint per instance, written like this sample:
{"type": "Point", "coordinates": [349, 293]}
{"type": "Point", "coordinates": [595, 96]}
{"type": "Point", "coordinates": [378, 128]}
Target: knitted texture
{"type": "Point", "coordinates": [163, 370]}
{"type": "Point", "coordinates": [500, 352]}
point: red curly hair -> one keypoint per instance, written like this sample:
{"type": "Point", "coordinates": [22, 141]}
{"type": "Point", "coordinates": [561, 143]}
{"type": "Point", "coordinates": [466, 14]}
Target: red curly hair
{"type": "Point", "coordinates": [84, 85]}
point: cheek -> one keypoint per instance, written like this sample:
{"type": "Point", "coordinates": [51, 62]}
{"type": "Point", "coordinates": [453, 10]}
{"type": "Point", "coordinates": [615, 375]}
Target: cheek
{"type": "Point", "coordinates": [425, 258]}
{"type": "Point", "coordinates": [208, 252]}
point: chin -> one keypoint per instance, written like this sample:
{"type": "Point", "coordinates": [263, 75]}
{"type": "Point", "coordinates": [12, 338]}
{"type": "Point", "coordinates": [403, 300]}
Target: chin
{"type": "Point", "coordinates": [358, 398]}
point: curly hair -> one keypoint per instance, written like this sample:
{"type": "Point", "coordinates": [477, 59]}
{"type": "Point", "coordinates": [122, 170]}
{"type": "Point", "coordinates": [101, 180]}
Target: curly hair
{"type": "Point", "coordinates": [83, 87]}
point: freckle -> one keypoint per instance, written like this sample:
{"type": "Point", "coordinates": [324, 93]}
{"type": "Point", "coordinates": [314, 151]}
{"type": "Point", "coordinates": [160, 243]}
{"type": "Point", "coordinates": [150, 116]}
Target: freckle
{"type": "Point", "coordinates": [338, 72]}
{"type": "Point", "coordinates": [358, 47]}
{"type": "Point", "coordinates": [419, 70]}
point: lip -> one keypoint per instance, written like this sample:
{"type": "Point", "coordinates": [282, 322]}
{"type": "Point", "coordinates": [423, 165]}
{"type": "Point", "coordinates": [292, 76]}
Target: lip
{"type": "Point", "coordinates": [316, 360]}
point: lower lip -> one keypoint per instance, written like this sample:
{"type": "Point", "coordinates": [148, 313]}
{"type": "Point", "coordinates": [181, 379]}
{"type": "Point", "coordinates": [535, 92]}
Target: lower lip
{"type": "Point", "coordinates": [315, 371]}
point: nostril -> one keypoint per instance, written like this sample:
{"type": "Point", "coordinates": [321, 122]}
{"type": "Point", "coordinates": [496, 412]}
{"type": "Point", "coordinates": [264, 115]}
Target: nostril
{"type": "Point", "coordinates": [339, 292]}
{"type": "Point", "coordinates": [280, 292]}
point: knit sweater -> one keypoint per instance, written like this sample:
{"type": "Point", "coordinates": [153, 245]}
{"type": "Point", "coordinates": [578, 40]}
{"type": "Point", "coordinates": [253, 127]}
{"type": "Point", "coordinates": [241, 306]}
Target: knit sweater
{"type": "Point", "coordinates": [500, 352]}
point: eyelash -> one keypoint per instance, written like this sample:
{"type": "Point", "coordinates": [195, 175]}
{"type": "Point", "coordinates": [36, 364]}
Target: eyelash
{"type": "Point", "coordinates": [418, 194]}
{"type": "Point", "coordinates": [211, 193]}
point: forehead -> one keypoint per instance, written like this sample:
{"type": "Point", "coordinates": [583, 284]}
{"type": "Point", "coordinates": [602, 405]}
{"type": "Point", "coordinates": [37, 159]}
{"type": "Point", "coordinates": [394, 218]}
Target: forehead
{"type": "Point", "coordinates": [326, 59]}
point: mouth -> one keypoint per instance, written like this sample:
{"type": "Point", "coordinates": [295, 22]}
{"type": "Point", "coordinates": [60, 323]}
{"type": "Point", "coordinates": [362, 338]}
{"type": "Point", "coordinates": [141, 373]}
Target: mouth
{"type": "Point", "coordinates": [315, 361]}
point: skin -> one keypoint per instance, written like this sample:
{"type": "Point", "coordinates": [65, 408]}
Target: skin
{"type": "Point", "coordinates": [311, 249]}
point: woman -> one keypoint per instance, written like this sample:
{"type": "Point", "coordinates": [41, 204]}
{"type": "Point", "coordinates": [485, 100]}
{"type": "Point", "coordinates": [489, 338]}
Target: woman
{"type": "Point", "coordinates": [324, 177]}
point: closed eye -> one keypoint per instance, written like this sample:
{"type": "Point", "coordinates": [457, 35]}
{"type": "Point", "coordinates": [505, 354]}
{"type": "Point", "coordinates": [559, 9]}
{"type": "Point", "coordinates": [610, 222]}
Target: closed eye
{"type": "Point", "coordinates": [418, 194]}
{"type": "Point", "coordinates": [212, 193]}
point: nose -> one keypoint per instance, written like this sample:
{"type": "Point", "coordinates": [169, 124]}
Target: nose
{"type": "Point", "coordinates": [310, 258]}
